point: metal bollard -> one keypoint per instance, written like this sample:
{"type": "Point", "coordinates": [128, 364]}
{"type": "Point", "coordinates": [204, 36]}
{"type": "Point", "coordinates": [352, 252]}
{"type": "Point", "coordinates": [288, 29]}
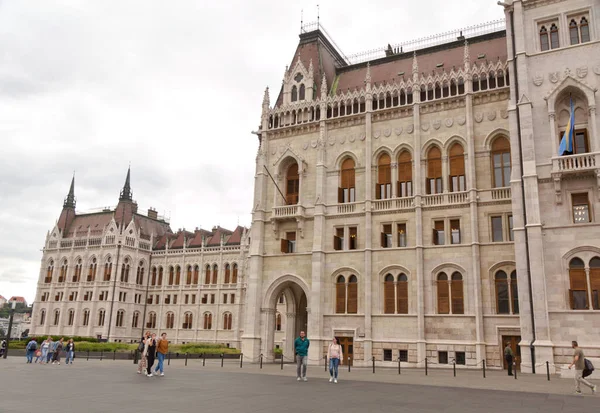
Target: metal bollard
{"type": "Point", "coordinates": [282, 361]}
{"type": "Point", "coordinates": [241, 359]}
{"type": "Point", "coordinates": [135, 356]}
{"type": "Point", "coordinates": [169, 358]}
{"type": "Point", "coordinates": [203, 359]}
{"type": "Point", "coordinates": [114, 355]}
{"type": "Point", "coordinates": [101, 354]}
{"type": "Point", "coordinates": [373, 364]}
{"type": "Point", "coordinates": [88, 356]}
{"type": "Point", "coordinates": [325, 360]}
{"type": "Point", "coordinates": [222, 359]}
{"type": "Point", "coordinates": [548, 370]}
{"type": "Point", "coordinates": [399, 372]}
{"type": "Point", "coordinates": [349, 364]}
{"type": "Point", "coordinates": [186, 355]}
{"type": "Point", "coordinates": [426, 366]}
{"type": "Point", "coordinates": [483, 364]}
{"type": "Point", "coordinates": [261, 361]}
{"type": "Point", "coordinates": [454, 367]}
{"type": "Point", "coordinates": [515, 369]}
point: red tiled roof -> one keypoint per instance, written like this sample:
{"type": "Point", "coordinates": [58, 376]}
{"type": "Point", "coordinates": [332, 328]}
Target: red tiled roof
{"type": "Point", "coordinates": [196, 241]}
{"type": "Point", "coordinates": [81, 223]}
{"type": "Point", "coordinates": [216, 237]}
{"type": "Point", "coordinates": [17, 299]}
{"type": "Point", "coordinates": [236, 236]}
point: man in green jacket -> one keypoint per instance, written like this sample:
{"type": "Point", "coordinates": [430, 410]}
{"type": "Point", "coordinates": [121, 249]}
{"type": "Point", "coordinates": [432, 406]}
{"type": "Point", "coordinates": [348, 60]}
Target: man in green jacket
{"type": "Point", "coordinates": [301, 345]}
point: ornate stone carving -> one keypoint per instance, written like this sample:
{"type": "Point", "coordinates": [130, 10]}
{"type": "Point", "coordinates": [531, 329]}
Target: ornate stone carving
{"type": "Point", "coordinates": [582, 72]}
{"type": "Point", "coordinates": [273, 150]}
{"type": "Point", "coordinates": [313, 144]}
{"type": "Point", "coordinates": [281, 148]}
{"type": "Point", "coordinates": [305, 145]}
{"type": "Point", "coordinates": [504, 113]}
{"type": "Point", "coordinates": [387, 132]}
{"type": "Point", "coordinates": [331, 141]}
{"type": "Point", "coordinates": [437, 124]}
{"type": "Point", "coordinates": [398, 131]}
{"type": "Point", "coordinates": [425, 127]}
{"type": "Point", "coordinates": [449, 122]}
{"type": "Point", "coordinates": [596, 69]}
{"type": "Point", "coordinates": [461, 120]}
{"type": "Point", "coordinates": [568, 72]}
{"type": "Point", "coordinates": [410, 129]}
{"type": "Point", "coordinates": [352, 138]}
{"type": "Point", "coordinates": [554, 77]}
{"type": "Point", "coordinates": [342, 139]}
{"type": "Point", "coordinates": [491, 115]}
{"type": "Point", "coordinates": [377, 134]}
{"type": "Point", "coordinates": [478, 117]}
{"type": "Point", "coordinates": [363, 137]}
{"type": "Point", "coordinates": [538, 79]}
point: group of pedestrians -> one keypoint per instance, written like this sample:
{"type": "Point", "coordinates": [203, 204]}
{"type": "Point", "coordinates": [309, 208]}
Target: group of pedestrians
{"type": "Point", "coordinates": [151, 348]}
{"type": "Point", "coordinates": [334, 357]}
{"type": "Point", "coordinates": [50, 351]}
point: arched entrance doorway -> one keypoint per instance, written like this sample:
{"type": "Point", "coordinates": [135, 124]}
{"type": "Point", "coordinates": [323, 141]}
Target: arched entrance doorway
{"type": "Point", "coordinates": [285, 306]}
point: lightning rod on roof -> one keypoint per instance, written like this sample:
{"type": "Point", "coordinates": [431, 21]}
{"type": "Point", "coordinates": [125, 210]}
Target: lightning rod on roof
{"type": "Point", "coordinates": [318, 15]}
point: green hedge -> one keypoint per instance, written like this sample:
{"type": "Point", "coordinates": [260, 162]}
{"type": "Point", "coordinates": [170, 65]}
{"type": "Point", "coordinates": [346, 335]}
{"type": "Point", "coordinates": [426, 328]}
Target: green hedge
{"type": "Point", "coordinates": [202, 348]}
{"type": "Point", "coordinates": [39, 339]}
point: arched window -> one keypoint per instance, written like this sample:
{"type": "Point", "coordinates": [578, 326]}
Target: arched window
{"type": "Point", "coordinates": [92, 270]}
{"type": "Point", "coordinates": [207, 321]}
{"type": "Point", "coordinates": [402, 294]}
{"type": "Point", "coordinates": [501, 162]}
{"type": "Point", "coordinates": [294, 93]}
{"type": "Point", "coordinates": [107, 269]}
{"type": "Point", "coordinates": [405, 174]}
{"type": "Point", "coordinates": [484, 81]}
{"type": "Point", "coordinates": [554, 42]}
{"type": "Point", "coordinates": [56, 317]}
{"type": "Point", "coordinates": [171, 275]}
{"type": "Point", "coordinates": [595, 281]}
{"type": "Point", "coordinates": [514, 292]}
{"type": "Point", "coordinates": [389, 295]}
{"type": "Point", "coordinates": [278, 322]}
{"type": "Point", "coordinates": [207, 275]}
{"type": "Point", "coordinates": [71, 317]}
{"type": "Point", "coordinates": [215, 274]}
{"type": "Point", "coordinates": [86, 318]}
{"type": "Point", "coordinates": [125, 271]}
{"type": "Point", "coordinates": [42, 317]}
{"type": "Point", "coordinates": [347, 189]}
{"type": "Point", "coordinates": [151, 323]}
{"type": "Point", "coordinates": [492, 80]}
{"type": "Point", "coordinates": [502, 293]}
{"type": "Point", "coordinates": [434, 171]}
{"type": "Point", "coordinates": [196, 274]}
{"type": "Point", "coordinates": [160, 276]}
{"type": "Point", "coordinates": [352, 295]}
{"type": "Point", "coordinates": [384, 177]}
{"type": "Point", "coordinates": [77, 274]}
{"type": "Point", "coordinates": [177, 275]}
{"type": "Point", "coordinates": [584, 28]}
{"type": "Point", "coordinates": [120, 318]}
{"type": "Point", "coordinates": [139, 278]}
{"type": "Point", "coordinates": [49, 272]}
{"type": "Point", "coordinates": [302, 92]}
{"type": "Point", "coordinates": [544, 39]}
{"type": "Point", "coordinates": [578, 280]}
{"type": "Point", "coordinates": [170, 320]}
{"type": "Point", "coordinates": [227, 273]}
{"type": "Point", "coordinates": [187, 321]}
{"type": "Point", "coordinates": [101, 317]}
{"type": "Point", "coordinates": [457, 168]}
{"type": "Point", "coordinates": [500, 78]}
{"type": "Point", "coordinates": [227, 321]}
{"type": "Point", "coordinates": [292, 186]}
{"type": "Point", "coordinates": [234, 274]}
{"type": "Point", "coordinates": [154, 276]}
{"type": "Point", "coordinates": [340, 295]}
{"type": "Point", "coordinates": [188, 277]}
{"type": "Point", "coordinates": [443, 294]}
{"type": "Point", "coordinates": [63, 272]}
{"type": "Point", "coordinates": [456, 292]}
{"type": "Point", "coordinates": [573, 32]}
{"type": "Point", "coordinates": [136, 319]}
{"type": "Point", "coordinates": [475, 83]}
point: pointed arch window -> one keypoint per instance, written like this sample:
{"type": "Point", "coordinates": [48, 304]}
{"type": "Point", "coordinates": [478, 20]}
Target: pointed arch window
{"type": "Point", "coordinates": [196, 274]}
{"type": "Point", "coordinates": [160, 276]}
{"type": "Point", "coordinates": [207, 321]}
{"type": "Point", "coordinates": [234, 274]}
{"type": "Point", "coordinates": [107, 269]}
{"type": "Point", "coordinates": [395, 294]}
{"type": "Point", "coordinates": [86, 318]}
{"type": "Point", "coordinates": [177, 275]}
{"type": "Point", "coordinates": [457, 168]}
{"type": "Point", "coordinates": [42, 317]}
{"type": "Point", "coordinates": [215, 274]}
{"type": "Point", "coordinates": [578, 282]}
{"type": "Point", "coordinates": [501, 162]}
{"type": "Point", "coordinates": [227, 318]}
{"type": "Point", "coordinates": [101, 318]}
{"type": "Point", "coordinates": [63, 271]}
{"type": "Point", "coordinates": [544, 39]}
{"type": "Point", "coordinates": [278, 322]}
{"type": "Point", "coordinates": [573, 32]}
{"type": "Point", "coordinates": [405, 174]}
{"type": "Point", "coordinates": [71, 317]}
{"type": "Point", "coordinates": [171, 275]}
{"type": "Point", "coordinates": [170, 320]}
{"type": "Point", "coordinates": [347, 189]}
{"type": "Point", "coordinates": [384, 177]}
{"type": "Point", "coordinates": [77, 273]}
{"type": "Point", "coordinates": [120, 318]}
{"type": "Point", "coordinates": [554, 41]}
{"type": "Point", "coordinates": [135, 320]}
{"type": "Point", "coordinates": [187, 321]}
{"type": "Point", "coordinates": [346, 295]}
{"type": "Point", "coordinates": [151, 323]}
{"type": "Point", "coordinates": [125, 271]}
{"type": "Point", "coordinates": [92, 270]}
{"type": "Point", "coordinates": [139, 278]}
{"type": "Point", "coordinates": [434, 171]}
{"type": "Point", "coordinates": [207, 275]}
{"type": "Point", "coordinates": [227, 273]}
{"type": "Point", "coordinates": [49, 272]}
{"type": "Point", "coordinates": [302, 94]}
{"type": "Point", "coordinates": [584, 29]}
{"type": "Point", "coordinates": [56, 317]}
{"type": "Point", "coordinates": [294, 93]}
{"type": "Point", "coordinates": [292, 186]}
{"type": "Point", "coordinates": [595, 282]}
{"type": "Point", "coordinates": [154, 276]}
{"type": "Point", "coordinates": [188, 275]}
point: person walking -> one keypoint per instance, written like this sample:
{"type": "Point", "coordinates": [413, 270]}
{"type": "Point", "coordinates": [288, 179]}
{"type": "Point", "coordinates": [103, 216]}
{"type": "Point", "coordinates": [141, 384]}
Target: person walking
{"type": "Point", "coordinates": [301, 345]}
{"type": "Point", "coordinates": [143, 348]}
{"type": "Point", "coordinates": [3, 347]}
{"type": "Point", "coordinates": [335, 356]}
{"type": "Point", "coordinates": [51, 346]}
{"type": "Point", "coordinates": [30, 350]}
{"type": "Point", "coordinates": [579, 363]}
{"type": "Point", "coordinates": [151, 353]}
{"type": "Point", "coordinates": [69, 351]}
{"type": "Point", "coordinates": [508, 356]}
{"type": "Point", "coordinates": [45, 348]}
{"type": "Point", "coordinates": [162, 348]}
{"type": "Point", "coordinates": [58, 348]}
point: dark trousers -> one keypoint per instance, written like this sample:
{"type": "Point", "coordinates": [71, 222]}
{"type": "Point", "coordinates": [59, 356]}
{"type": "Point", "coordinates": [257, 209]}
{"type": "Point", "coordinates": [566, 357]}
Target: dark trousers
{"type": "Point", "coordinates": [509, 361]}
{"type": "Point", "coordinates": [150, 361]}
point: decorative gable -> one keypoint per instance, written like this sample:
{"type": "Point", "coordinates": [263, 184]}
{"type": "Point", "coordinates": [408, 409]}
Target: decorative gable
{"type": "Point", "coordinates": [298, 83]}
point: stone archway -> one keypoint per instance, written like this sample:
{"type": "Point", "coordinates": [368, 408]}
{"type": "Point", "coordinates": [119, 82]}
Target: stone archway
{"type": "Point", "coordinates": [294, 290]}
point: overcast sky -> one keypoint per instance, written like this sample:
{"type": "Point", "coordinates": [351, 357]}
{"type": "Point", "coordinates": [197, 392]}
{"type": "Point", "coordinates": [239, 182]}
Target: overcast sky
{"type": "Point", "coordinates": [174, 87]}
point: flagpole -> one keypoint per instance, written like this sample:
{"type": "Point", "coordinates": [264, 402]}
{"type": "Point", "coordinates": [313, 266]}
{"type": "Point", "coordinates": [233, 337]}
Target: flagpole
{"type": "Point", "coordinates": [271, 176]}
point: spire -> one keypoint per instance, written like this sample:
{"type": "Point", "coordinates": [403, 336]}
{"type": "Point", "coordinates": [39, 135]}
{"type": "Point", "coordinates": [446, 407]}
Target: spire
{"type": "Point", "coordinates": [310, 68]}
{"type": "Point", "coordinates": [415, 68]}
{"type": "Point", "coordinates": [126, 194]}
{"type": "Point", "coordinates": [467, 57]}
{"type": "Point", "coordinates": [368, 75]}
{"type": "Point", "coordinates": [70, 199]}
{"type": "Point", "coordinates": [324, 88]}
{"type": "Point", "coordinates": [266, 99]}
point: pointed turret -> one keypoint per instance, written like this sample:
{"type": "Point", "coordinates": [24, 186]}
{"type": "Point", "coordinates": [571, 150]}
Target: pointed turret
{"type": "Point", "coordinates": [415, 68]}
{"type": "Point", "coordinates": [266, 100]}
{"type": "Point", "coordinates": [324, 89]}
{"type": "Point", "coordinates": [68, 212]}
{"type": "Point", "coordinates": [466, 57]}
{"type": "Point", "coordinates": [126, 194]}
{"type": "Point", "coordinates": [70, 199]}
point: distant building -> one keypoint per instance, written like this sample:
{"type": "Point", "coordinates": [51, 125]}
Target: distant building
{"type": "Point", "coordinates": [2, 301]}
{"type": "Point", "coordinates": [18, 300]}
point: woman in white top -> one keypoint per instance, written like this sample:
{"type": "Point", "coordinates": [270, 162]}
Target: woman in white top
{"type": "Point", "coordinates": [335, 357]}
{"type": "Point", "coordinates": [143, 353]}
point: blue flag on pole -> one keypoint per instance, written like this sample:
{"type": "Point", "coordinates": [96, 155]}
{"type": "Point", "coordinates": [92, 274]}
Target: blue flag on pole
{"type": "Point", "coordinates": [566, 143]}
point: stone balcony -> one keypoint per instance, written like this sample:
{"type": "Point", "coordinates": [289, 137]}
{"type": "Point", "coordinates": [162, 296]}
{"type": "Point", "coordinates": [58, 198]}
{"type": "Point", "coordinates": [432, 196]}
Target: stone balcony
{"type": "Point", "coordinates": [288, 212]}
{"type": "Point", "coordinates": [574, 165]}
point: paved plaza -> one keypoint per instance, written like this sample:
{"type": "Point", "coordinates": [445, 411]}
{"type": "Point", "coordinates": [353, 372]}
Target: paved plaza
{"type": "Point", "coordinates": [100, 386]}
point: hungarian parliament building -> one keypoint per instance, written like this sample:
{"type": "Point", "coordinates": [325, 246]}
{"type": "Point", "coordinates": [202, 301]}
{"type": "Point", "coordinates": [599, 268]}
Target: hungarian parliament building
{"type": "Point", "coordinates": [414, 201]}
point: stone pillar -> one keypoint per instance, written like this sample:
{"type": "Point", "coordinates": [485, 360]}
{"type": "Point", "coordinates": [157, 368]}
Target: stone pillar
{"type": "Point", "coordinates": [368, 279]}
{"type": "Point", "coordinates": [268, 323]}
{"type": "Point", "coordinates": [290, 335]}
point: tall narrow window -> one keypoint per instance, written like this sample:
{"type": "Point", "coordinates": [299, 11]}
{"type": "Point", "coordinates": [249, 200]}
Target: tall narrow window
{"type": "Point", "coordinates": [456, 291]}
{"type": "Point", "coordinates": [56, 317]}
{"type": "Point", "coordinates": [353, 240]}
{"type": "Point", "coordinates": [188, 276]}
{"type": "Point", "coordinates": [581, 208]}
{"type": "Point", "coordinates": [457, 168]}
{"type": "Point", "coordinates": [151, 320]}
{"type": "Point", "coordinates": [77, 274]}
{"type": "Point", "coordinates": [402, 294]}
{"type": "Point", "coordinates": [139, 278]}
{"type": "Point", "coordinates": [511, 236]}
{"type": "Point", "coordinates": [207, 275]}
{"type": "Point", "coordinates": [595, 282]}
{"type": "Point", "coordinates": [497, 235]}
{"type": "Point", "coordinates": [434, 171]}
{"type": "Point", "coordinates": [120, 317]}
{"type": "Point", "coordinates": [227, 273]}
{"type": "Point", "coordinates": [384, 177]}
{"type": "Point", "coordinates": [215, 274]}
{"type": "Point", "coordinates": [443, 294]}
{"type": "Point", "coordinates": [234, 274]}
{"type": "Point", "coordinates": [585, 30]}
{"type": "Point", "coordinates": [92, 271]}
{"type": "Point", "coordinates": [107, 269]}
{"type": "Point", "coordinates": [514, 292]}
{"type": "Point", "coordinates": [340, 295]}
{"type": "Point", "coordinates": [49, 272]}
{"type": "Point", "coordinates": [135, 320]}
{"type": "Point", "coordinates": [574, 32]}
{"type": "Point", "coordinates": [544, 39]}
{"type": "Point", "coordinates": [386, 236]}
{"type": "Point", "coordinates": [402, 241]}
{"type": "Point", "coordinates": [63, 272]}
{"type": "Point", "coordinates": [71, 317]}
{"type": "Point", "coordinates": [160, 276]}
{"type": "Point", "coordinates": [171, 275]}
{"type": "Point", "coordinates": [278, 322]}
{"type": "Point", "coordinates": [338, 239]}
{"type": "Point", "coordinates": [177, 275]}
{"type": "Point", "coordinates": [170, 320]}
{"type": "Point", "coordinates": [347, 190]}
{"type": "Point", "coordinates": [502, 294]}
{"type": "Point", "coordinates": [389, 295]}
{"type": "Point", "coordinates": [227, 318]}
{"type": "Point", "coordinates": [294, 93]}
{"type": "Point", "coordinates": [86, 318]}
{"type": "Point", "coordinates": [455, 231]}
{"type": "Point", "coordinates": [207, 321]}
{"type": "Point", "coordinates": [302, 92]}
{"type": "Point", "coordinates": [578, 280]}
{"type": "Point", "coordinates": [352, 295]}
{"type": "Point", "coordinates": [154, 276]}
{"type": "Point", "coordinates": [405, 174]}
{"type": "Point", "coordinates": [501, 162]}
{"type": "Point", "coordinates": [292, 184]}
{"type": "Point", "coordinates": [101, 317]}
{"type": "Point", "coordinates": [554, 42]}
{"type": "Point", "coordinates": [439, 236]}
{"type": "Point", "coordinates": [196, 274]}
{"type": "Point", "coordinates": [580, 143]}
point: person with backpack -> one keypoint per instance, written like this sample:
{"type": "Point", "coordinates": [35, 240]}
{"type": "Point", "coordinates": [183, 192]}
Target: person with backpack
{"type": "Point", "coordinates": [70, 351]}
{"type": "Point", "coordinates": [30, 350]}
{"type": "Point", "coordinates": [579, 363]}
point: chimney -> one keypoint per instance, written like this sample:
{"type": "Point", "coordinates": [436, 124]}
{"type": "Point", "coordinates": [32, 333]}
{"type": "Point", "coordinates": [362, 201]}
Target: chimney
{"type": "Point", "coordinates": [152, 213]}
